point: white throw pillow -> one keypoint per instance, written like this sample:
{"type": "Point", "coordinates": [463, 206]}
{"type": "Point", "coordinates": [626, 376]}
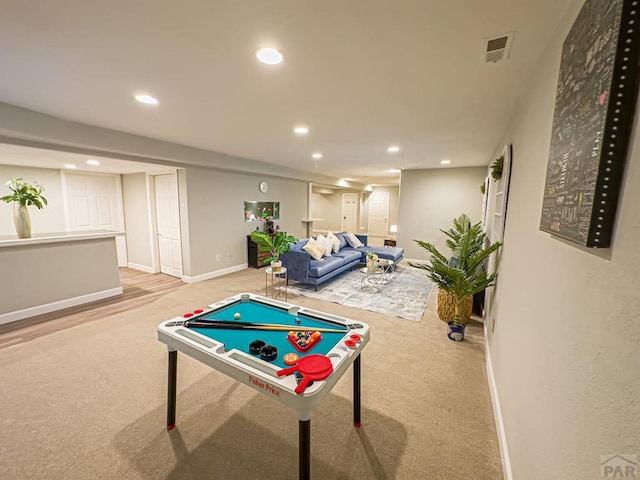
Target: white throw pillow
{"type": "Point", "coordinates": [325, 243]}
{"type": "Point", "coordinates": [313, 249]}
{"type": "Point", "coordinates": [335, 241]}
{"type": "Point", "coordinates": [353, 240]}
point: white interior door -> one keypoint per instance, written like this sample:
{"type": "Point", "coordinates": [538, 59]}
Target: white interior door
{"type": "Point", "coordinates": [500, 198]}
{"type": "Point", "coordinates": [349, 212]}
{"type": "Point", "coordinates": [379, 214]}
{"type": "Point", "coordinates": [94, 202]}
{"type": "Point", "coordinates": [168, 224]}
{"type": "Point", "coordinates": [498, 195]}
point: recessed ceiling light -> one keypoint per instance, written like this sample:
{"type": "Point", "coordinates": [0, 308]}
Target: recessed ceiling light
{"type": "Point", "coordinates": [394, 170]}
{"type": "Point", "coordinates": [301, 130]}
{"type": "Point", "coordinates": [317, 155]}
{"type": "Point", "coordinates": [147, 99]}
{"type": "Point", "coordinates": [445, 162]}
{"type": "Point", "coordinates": [269, 56]}
{"type": "Point", "coordinates": [93, 162]}
{"type": "Point", "coordinates": [70, 166]}
{"type": "Point", "coordinates": [393, 149]}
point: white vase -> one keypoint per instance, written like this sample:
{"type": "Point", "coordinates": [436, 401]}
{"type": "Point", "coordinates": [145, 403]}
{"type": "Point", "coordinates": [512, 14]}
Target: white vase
{"type": "Point", "coordinates": [21, 220]}
{"type": "Point", "coordinates": [371, 266]}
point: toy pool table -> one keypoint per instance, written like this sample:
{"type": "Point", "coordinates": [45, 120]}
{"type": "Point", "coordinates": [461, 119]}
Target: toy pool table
{"type": "Point", "coordinates": [227, 349]}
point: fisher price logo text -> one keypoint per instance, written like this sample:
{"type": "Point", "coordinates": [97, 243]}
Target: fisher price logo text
{"type": "Point", "coordinates": [265, 386]}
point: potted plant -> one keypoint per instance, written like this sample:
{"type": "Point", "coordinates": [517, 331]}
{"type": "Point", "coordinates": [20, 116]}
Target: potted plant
{"type": "Point", "coordinates": [446, 301]}
{"type": "Point", "coordinates": [460, 276]}
{"type": "Point", "coordinates": [372, 258]}
{"type": "Point", "coordinates": [23, 195]}
{"type": "Point", "coordinates": [275, 244]}
{"type": "Point", "coordinates": [496, 168]}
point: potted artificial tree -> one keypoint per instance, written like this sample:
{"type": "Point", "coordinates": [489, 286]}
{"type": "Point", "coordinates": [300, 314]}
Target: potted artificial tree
{"type": "Point", "coordinates": [276, 245]}
{"type": "Point", "coordinates": [462, 275]}
{"type": "Point", "coordinates": [23, 195]}
{"type": "Point", "coordinates": [446, 300]}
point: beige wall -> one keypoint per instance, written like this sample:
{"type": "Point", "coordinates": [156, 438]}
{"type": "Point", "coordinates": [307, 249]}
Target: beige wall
{"type": "Point", "coordinates": [136, 218]}
{"type": "Point", "coordinates": [431, 199]}
{"type": "Point", "coordinates": [328, 207]}
{"type": "Point", "coordinates": [215, 215]}
{"type": "Point", "coordinates": [51, 217]}
{"type": "Point", "coordinates": [566, 340]}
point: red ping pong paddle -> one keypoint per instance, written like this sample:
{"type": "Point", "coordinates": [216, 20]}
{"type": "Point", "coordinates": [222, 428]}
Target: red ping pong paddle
{"type": "Point", "coordinates": [312, 367]}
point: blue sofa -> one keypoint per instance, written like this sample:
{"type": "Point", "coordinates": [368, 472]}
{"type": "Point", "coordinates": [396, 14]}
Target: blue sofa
{"type": "Point", "coordinates": [302, 268]}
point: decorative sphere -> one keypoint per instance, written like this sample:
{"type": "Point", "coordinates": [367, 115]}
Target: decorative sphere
{"type": "Point", "coordinates": [236, 316]}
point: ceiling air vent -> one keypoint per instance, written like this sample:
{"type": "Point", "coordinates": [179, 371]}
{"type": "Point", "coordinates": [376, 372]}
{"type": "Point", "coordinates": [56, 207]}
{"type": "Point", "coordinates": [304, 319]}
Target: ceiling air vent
{"type": "Point", "coordinates": [496, 49]}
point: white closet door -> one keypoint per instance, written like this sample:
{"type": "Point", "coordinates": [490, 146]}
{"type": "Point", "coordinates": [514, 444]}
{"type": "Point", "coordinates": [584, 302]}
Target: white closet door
{"type": "Point", "coordinates": [94, 202]}
{"type": "Point", "coordinates": [379, 214]}
{"type": "Point", "coordinates": [349, 212]}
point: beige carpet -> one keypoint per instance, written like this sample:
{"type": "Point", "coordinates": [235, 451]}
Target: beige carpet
{"type": "Point", "coordinates": [89, 403]}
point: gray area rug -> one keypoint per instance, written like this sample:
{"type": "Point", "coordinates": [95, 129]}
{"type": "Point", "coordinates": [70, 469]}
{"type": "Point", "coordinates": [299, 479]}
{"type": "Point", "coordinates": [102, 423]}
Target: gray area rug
{"type": "Point", "coordinates": [405, 295]}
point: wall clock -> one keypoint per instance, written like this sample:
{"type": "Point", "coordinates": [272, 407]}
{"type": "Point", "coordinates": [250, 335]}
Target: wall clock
{"type": "Point", "coordinates": [264, 187]}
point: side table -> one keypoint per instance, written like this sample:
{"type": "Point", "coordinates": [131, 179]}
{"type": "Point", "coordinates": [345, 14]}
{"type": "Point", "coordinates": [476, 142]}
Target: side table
{"type": "Point", "coordinates": [387, 267]}
{"type": "Point", "coordinates": [389, 242]}
{"type": "Point", "coordinates": [372, 279]}
{"type": "Point", "coordinates": [275, 283]}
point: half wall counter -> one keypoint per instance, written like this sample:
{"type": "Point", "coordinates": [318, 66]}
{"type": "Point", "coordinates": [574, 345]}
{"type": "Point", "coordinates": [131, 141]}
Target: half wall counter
{"type": "Point", "coordinates": [52, 271]}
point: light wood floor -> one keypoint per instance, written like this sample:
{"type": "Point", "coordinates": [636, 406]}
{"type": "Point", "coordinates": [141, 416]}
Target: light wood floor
{"type": "Point", "coordinates": [139, 288]}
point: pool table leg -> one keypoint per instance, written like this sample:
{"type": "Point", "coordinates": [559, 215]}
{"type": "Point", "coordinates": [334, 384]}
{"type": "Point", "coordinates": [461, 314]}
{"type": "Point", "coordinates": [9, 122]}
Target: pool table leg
{"type": "Point", "coordinates": [304, 447]}
{"type": "Point", "coordinates": [356, 392]}
{"type": "Point", "coordinates": [171, 390]}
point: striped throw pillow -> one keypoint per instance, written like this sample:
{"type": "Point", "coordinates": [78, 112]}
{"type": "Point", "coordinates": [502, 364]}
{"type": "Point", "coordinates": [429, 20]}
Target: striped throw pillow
{"type": "Point", "coordinates": [313, 249]}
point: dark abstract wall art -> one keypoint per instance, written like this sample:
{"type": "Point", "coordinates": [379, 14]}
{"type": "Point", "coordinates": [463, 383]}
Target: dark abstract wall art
{"type": "Point", "coordinates": [593, 116]}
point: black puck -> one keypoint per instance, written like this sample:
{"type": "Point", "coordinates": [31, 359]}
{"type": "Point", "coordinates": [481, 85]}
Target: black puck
{"type": "Point", "coordinates": [256, 346]}
{"type": "Point", "coordinates": [269, 353]}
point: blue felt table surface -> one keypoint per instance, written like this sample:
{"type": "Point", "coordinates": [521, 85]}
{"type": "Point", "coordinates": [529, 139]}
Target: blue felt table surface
{"type": "Point", "coordinates": [259, 313]}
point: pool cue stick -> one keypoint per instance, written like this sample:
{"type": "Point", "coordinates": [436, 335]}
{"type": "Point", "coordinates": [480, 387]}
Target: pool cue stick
{"type": "Point", "coordinates": [251, 324]}
{"type": "Point", "coordinates": [256, 326]}
{"type": "Point", "coordinates": [348, 326]}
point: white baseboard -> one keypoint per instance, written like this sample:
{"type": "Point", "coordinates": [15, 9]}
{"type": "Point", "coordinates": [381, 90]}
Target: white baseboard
{"type": "Point", "coordinates": [142, 268]}
{"type": "Point", "coordinates": [217, 273]}
{"type": "Point", "coordinates": [59, 305]}
{"type": "Point", "coordinates": [497, 412]}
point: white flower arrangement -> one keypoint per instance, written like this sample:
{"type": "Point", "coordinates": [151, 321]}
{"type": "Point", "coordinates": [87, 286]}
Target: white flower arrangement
{"type": "Point", "coordinates": [372, 257]}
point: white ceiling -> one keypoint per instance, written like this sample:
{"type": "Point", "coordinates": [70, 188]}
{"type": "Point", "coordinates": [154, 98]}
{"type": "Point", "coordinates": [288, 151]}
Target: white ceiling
{"type": "Point", "coordinates": [362, 74]}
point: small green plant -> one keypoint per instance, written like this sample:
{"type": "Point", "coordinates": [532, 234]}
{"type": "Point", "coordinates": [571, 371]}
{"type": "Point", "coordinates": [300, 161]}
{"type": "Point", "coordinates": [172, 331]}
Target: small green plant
{"type": "Point", "coordinates": [496, 168]}
{"type": "Point", "coordinates": [24, 193]}
{"type": "Point", "coordinates": [276, 244]}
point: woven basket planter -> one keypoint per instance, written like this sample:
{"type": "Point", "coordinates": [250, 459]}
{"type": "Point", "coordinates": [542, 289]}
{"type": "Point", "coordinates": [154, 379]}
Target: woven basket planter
{"type": "Point", "coordinates": [447, 307]}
